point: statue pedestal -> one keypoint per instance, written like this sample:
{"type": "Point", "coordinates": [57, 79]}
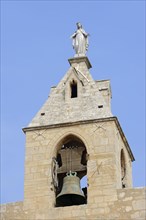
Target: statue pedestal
{"type": "Point", "coordinates": [79, 60]}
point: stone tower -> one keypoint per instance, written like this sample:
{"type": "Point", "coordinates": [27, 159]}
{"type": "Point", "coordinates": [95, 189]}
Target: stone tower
{"type": "Point", "coordinates": [76, 131]}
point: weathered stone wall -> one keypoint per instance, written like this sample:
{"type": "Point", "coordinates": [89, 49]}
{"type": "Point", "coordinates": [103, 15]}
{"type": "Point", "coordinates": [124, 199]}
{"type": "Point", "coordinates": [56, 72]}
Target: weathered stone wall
{"type": "Point", "coordinates": [128, 204]}
{"type": "Point", "coordinates": [12, 211]}
{"type": "Point", "coordinates": [103, 140]}
{"type": "Point", "coordinates": [105, 89]}
{"type": "Point", "coordinates": [42, 145]}
{"type": "Point", "coordinates": [131, 203]}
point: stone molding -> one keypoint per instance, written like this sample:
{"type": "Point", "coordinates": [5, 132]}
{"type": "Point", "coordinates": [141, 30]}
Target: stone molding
{"type": "Point", "coordinates": [80, 59]}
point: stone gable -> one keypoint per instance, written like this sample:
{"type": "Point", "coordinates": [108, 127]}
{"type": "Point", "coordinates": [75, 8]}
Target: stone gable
{"type": "Point", "coordinates": [92, 101]}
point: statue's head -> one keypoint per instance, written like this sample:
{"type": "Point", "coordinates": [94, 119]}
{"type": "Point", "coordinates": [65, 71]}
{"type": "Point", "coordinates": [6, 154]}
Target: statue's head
{"type": "Point", "coordinates": [79, 25]}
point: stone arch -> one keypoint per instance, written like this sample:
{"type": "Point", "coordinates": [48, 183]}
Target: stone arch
{"type": "Point", "coordinates": [57, 140]}
{"type": "Point", "coordinates": [73, 89]}
{"type": "Point", "coordinates": [70, 144]}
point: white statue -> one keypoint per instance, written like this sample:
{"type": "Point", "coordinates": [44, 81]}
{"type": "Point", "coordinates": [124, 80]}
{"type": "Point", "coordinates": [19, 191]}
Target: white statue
{"type": "Point", "coordinates": [80, 41]}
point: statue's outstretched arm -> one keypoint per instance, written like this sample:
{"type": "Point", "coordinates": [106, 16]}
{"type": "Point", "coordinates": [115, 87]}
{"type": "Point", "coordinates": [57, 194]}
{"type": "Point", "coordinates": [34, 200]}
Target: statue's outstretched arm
{"type": "Point", "coordinates": [74, 35]}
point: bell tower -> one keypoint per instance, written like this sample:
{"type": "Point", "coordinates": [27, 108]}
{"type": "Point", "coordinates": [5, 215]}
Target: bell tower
{"type": "Point", "coordinates": [74, 135]}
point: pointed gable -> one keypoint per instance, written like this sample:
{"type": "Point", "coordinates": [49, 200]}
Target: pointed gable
{"type": "Point", "coordinates": [77, 97]}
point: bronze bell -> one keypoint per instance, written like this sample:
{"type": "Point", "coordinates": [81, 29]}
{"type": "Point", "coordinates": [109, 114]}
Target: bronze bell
{"type": "Point", "coordinates": [71, 193]}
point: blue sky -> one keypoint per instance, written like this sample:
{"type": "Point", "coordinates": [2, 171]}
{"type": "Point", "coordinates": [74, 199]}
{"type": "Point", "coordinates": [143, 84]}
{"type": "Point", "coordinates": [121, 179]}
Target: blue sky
{"type": "Point", "coordinates": [35, 48]}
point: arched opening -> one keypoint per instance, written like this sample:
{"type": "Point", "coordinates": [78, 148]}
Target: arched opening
{"type": "Point", "coordinates": [73, 86]}
{"type": "Point", "coordinates": [123, 169]}
{"type": "Point", "coordinates": [71, 161]}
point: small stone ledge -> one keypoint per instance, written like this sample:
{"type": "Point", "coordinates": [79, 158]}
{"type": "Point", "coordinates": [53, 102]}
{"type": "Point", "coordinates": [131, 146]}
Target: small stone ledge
{"type": "Point", "coordinates": [79, 60]}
